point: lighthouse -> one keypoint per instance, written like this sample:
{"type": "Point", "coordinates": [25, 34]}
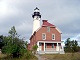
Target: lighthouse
{"type": "Point", "coordinates": [36, 19]}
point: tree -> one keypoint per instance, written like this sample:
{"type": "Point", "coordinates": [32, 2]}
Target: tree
{"type": "Point", "coordinates": [71, 46]}
{"type": "Point", "coordinates": [13, 32]}
{"type": "Point", "coordinates": [13, 45]}
{"type": "Point", "coordinates": [1, 41]}
{"type": "Point", "coordinates": [68, 45]}
{"type": "Point", "coordinates": [74, 46]}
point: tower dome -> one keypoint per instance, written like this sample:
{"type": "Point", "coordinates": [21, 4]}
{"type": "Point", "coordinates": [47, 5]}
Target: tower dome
{"type": "Point", "coordinates": [36, 13]}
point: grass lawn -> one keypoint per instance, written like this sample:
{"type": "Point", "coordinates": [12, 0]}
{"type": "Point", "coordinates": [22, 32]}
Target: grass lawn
{"type": "Point", "coordinates": [4, 57]}
{"type": "Point", "coordinates": [66, 56]}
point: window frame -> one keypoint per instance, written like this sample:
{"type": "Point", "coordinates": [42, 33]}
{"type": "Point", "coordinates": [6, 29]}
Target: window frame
{"type": "Point", "coordinates": [44, 37]}
{"type": "Point", "coordinates": [52, 36]}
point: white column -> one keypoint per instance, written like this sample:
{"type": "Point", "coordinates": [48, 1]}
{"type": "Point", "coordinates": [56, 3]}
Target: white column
{"type": "Point", "coordinates": [38, 46]}
{"type": "Point", "coordinates": [44, 46]}
{"type": "Point", "coordinates": [62, 46]}
{"type": "Point", "coordinates": [57, 48]}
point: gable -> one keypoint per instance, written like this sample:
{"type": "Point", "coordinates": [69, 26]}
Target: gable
{"type": "Point", "coordinates": [43, 29]}
{"type": "Point", "coordinates": [53, 30]}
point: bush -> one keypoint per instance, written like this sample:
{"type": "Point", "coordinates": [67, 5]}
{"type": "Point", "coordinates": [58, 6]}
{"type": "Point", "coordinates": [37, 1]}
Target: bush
{"type": "Point", "coordinates": [35, 48]}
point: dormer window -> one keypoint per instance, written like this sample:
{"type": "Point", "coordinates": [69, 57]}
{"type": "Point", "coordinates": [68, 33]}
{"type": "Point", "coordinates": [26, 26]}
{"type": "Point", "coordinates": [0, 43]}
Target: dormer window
{"type": "Point", "coordinates": [53, 36]}
{"type": "Point", "coordinates": [43, 36]}
{"type": "Point", "coordinates": [48, 29]}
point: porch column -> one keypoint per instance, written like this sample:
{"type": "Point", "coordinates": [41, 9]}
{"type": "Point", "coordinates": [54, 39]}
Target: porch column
{"type": "Point", "coordinates": [44, 46]}
{"type": "Point", "coordinates": [62, 46]}
{"type": "Point", "coordinates": [38, 46]}
{"type": "Point", "coordinates": [57, 47]}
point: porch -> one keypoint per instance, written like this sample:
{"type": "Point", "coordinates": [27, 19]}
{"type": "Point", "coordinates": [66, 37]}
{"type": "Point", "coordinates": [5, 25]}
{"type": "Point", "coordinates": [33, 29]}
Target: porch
{"type": "Point", "coordinates": [49, 47]}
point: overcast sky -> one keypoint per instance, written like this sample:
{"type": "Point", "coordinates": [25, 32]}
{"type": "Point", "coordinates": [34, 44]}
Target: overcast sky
{"type": "Point", "coordinates": [65, 14]}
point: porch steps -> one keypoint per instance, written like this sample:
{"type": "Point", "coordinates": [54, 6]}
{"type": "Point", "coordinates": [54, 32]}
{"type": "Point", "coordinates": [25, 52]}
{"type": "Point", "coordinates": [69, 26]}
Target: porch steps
{"type": "Point", "coordinates": [50, 52]}
{"type": "Point", "coordinates": [41, 52]}
{"type": "Point", "coordinates": [62, 52]}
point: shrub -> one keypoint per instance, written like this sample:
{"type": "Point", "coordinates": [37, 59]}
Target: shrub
{"type": "Point", "coordinates": [35, 48]}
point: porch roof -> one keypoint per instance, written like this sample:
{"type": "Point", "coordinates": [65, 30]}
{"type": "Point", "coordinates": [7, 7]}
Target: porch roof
{"type": "Point", "coordinates": [51, 41]}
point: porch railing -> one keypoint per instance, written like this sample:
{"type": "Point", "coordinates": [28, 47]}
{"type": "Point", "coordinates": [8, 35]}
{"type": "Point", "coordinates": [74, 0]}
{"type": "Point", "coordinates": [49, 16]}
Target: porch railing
{"type": "Point", "coordinates": [50, 49]}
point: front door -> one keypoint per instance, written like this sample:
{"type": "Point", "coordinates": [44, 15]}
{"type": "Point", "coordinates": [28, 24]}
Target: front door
{"type": "Point", "coordinates": [40, 46]}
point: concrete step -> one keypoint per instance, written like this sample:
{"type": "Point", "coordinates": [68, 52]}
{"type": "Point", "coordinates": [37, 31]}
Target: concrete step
{"type": "Point", "coordinates": [51, 52]}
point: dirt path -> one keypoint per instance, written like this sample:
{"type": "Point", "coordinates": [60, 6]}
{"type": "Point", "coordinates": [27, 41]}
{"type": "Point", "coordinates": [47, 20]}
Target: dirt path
{"type": "Point", "coordinates": [40, 57]}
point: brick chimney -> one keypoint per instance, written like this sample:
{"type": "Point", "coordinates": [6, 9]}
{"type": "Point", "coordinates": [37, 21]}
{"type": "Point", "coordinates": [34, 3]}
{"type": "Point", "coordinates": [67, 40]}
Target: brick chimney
{"type": "Point", "coordinates": [44, 21]}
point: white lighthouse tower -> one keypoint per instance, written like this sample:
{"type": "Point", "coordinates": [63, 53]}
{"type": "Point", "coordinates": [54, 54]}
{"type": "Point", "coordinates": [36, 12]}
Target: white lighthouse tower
{"type": "Point", "coordinates": [36, 19]}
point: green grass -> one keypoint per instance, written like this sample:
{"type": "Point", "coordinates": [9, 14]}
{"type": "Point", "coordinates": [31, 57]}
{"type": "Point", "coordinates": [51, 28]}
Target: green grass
{"type": "Point", "coordinates": [66, 56]}
{"type": "Point", "coordinates": [5, 57]}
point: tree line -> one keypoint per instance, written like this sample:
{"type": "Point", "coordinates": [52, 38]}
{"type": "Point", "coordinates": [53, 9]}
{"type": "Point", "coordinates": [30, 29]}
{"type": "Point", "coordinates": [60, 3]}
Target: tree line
{"type": "Point", "coordinates": [71, 46]}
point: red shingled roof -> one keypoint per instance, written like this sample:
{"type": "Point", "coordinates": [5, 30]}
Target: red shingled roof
{"type": "Point", "coordinates": [45, 23]}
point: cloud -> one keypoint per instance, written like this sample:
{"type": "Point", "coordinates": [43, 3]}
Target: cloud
{"type": "Point", "coordinates": [77, 38]}
{"type": "Point", "coordinates": [62, 13]}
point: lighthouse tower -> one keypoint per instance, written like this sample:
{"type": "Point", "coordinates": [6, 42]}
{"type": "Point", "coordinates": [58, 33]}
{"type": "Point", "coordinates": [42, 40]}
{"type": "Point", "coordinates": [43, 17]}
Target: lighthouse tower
{"type": "Point", "coordinates": [36, 19]}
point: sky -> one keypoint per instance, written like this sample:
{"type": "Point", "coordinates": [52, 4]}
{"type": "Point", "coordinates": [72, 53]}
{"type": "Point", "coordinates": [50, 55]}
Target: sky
{"type": "Point", "coordinates": [65, 14]}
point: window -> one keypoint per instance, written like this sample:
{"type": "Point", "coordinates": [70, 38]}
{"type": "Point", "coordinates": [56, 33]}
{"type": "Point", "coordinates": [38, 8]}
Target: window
{"type": "Point", "coordinates": [52, 45]}
{"type": "Point", "coordinates": [39, 44]}
{"type": "Point", "coordinates": [53, 36]}
{"type": "Point", "coordinates": [48, 29]}
{"type": "Point", "coordinates": [43, 36]}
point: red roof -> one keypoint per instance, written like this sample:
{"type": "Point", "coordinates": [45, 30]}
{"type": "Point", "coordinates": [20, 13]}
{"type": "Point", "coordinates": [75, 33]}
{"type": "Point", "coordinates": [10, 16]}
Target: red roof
{"type": "Point", "coordinates": [45, 23]}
